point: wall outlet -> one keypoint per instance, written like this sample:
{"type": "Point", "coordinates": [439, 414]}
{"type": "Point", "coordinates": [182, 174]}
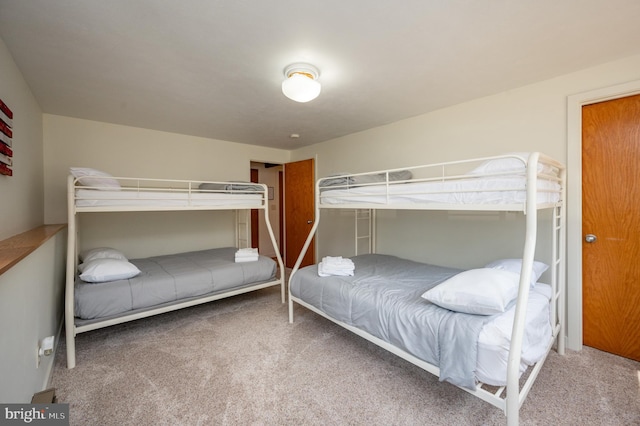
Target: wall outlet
{"type": "Point", "coordinates": [45, 347]}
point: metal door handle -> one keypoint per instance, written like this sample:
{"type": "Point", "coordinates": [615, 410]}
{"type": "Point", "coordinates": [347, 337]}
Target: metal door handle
{"type": "Point", "coordinates": [590, 238]}
{"type": "Point", "coordinates": [309, 222]}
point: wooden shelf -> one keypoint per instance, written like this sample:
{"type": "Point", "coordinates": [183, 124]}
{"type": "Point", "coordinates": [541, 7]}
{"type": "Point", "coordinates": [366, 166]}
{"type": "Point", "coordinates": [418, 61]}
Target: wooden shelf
{"type": "Point", "coordinates": [16, 248]}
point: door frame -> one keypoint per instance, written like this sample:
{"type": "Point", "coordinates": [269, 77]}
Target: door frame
{"type": "Point", "coordinates": [574, 200]}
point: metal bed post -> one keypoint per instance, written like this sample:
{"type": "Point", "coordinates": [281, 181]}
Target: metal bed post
{"type": "Point", "coordinates": [562, 281]}
{"type": "Point", "coordinates": [514, 399]}
{"type": "Point", "coordinates": [265, 205]}
{"type": "Point", "coordinates": [305, 247]}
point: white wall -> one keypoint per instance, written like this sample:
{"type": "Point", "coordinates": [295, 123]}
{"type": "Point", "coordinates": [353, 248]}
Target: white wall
{"type": "Point", "coordinates": [135, 152]}
{"type": "Point", "coordinates": [531, 118]}
{"type": "Point", "coordinates": [22, 203]}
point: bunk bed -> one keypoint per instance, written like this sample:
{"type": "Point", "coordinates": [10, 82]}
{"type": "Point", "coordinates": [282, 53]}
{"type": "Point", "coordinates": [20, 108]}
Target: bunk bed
{"type": "Point", "coordinates": [104, 288]}
{"type": "Point", "coordinates": [430, 314]}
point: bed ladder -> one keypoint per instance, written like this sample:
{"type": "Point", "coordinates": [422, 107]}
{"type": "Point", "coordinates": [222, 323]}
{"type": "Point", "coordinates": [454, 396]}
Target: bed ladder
{"type": "Point", "coordinates": [243, 228]}
{"type": "Point", "coordinates": [365, 238]}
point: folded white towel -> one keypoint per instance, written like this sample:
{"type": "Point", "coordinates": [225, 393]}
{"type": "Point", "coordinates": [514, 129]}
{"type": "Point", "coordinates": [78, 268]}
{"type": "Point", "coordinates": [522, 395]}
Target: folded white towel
{"type": "Point", "coordinates": [247, 251]}
{"type": "Point", "coordinates": [246, 259]}
{"type": "Point", "coordinates": [246, 255]}
{"type": "Point", "coordinates": [335, 265]}
{"type": "Point", "coordinates": [251, 253]}
{"type": "Point", "coordinates": [337, 262]}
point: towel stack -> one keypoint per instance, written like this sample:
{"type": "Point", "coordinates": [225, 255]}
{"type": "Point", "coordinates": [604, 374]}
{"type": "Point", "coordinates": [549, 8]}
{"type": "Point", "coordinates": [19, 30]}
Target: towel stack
{"type": "Point", "coordinates": [247, 255]}
{"type": "Point", "coordinates": [335, 265]}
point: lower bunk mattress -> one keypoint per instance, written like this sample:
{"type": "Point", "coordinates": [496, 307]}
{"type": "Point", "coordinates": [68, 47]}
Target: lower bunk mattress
{"type": "Point", "coordinates": [170, 278]}
{"type": "Point", "coordinates": [383, 298]}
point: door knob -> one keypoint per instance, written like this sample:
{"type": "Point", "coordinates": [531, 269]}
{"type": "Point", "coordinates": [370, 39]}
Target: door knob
{"type": "Point", "coordinates": [309, 222]}
{"type": "Point", "coordinates": [590, 238]}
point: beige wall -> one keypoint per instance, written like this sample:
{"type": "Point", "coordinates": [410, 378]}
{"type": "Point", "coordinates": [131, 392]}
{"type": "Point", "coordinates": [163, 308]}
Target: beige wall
{"type": "Point", "coordinates": [525, 119]}
{"type": "Point", "coordinates": [31, 308]}
{"type": "Point", "coordinates": [22, 203]}
{"type": "Point", "coordinates": [129, 151]}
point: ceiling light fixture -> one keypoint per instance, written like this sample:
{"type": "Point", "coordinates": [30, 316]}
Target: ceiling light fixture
{"type": "Point", "coordinates": [301, 82]}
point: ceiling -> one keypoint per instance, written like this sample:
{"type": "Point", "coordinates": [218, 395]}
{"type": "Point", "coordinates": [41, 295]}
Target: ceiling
{"type": "Point", "coordinates": [213, 68]}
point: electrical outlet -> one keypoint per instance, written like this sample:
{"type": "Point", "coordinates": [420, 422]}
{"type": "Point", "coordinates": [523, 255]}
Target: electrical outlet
{"type": "Point", "coordinates": [45, 347]}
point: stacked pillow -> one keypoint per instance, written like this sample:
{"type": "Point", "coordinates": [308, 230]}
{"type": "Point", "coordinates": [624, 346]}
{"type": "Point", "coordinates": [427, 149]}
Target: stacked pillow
{"type": "Point", "coordinates": [509, 164]}
{"type": "Point", "coordinates": [483, 291]}
{"type": "Point", "coordinates": [95, 179]}
{"type": "Point", "coordinates": [515, 265]}
{"type": "Point", "coordinates": [105, 264]}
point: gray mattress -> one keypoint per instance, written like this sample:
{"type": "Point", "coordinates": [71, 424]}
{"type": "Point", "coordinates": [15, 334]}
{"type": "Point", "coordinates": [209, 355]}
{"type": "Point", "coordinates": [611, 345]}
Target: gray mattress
{"type": "Point", "coordinates": [168, 279]}
{"type": "Point", "coordinates": [383, 299]}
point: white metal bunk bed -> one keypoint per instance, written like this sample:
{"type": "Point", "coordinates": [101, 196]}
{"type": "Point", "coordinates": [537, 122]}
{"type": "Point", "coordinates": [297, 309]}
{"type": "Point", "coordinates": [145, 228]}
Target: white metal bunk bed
{"type": "Point", "coordinates": [91, 191]}
{"type": "Point", "coordinates": [520, 182]}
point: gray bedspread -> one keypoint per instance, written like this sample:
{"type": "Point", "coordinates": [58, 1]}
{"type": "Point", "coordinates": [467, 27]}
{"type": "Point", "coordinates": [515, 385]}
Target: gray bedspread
{"type": "Point", "coordinates": [170, 278]}
{"type": "Point", "coordinates": [383, 299]}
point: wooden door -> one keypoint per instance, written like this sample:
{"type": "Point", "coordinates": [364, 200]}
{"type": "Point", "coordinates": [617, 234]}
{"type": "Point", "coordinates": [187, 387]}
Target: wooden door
{"type": "Point", "coordinates": [611, 213]}
{"type": "Point", "coordinates": [299, 210]}
{"type": "Point", "coordinates": [281, 210]}
{"type": "Point", "coordinates": [255, 220]}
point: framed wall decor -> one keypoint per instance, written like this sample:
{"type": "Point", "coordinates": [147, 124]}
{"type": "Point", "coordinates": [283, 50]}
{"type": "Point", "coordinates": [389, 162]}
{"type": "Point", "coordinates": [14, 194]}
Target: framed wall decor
{"type": "Point", "coordinates": [6, 140]}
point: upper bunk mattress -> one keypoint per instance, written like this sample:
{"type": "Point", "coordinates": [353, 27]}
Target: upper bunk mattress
{"type": "Point", "coordinates": [383, 298]}
{"type": "Point", "coordinates": [170, 278]}
{"type": "Point", "coordinates": [126, 198]}
{"type": "Point", "coordinates": [476, 190]}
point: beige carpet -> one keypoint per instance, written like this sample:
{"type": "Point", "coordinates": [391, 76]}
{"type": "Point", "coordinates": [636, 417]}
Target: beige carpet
{"type": "Point", "coordinates": [239, 362]}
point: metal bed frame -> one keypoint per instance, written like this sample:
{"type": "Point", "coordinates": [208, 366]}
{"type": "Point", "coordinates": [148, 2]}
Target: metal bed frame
{"type": "Point", "coordinates": [187, 197]}
{"type": "Point", "coordinates": [507, 398]}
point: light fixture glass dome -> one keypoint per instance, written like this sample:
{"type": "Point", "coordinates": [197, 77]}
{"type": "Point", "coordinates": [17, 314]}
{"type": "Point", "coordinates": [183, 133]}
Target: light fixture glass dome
{"type": "Point", "coordinates": [301, 84]}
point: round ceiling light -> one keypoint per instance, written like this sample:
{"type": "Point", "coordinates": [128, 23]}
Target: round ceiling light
{"type": "Point", "coordinates": [301, 82]}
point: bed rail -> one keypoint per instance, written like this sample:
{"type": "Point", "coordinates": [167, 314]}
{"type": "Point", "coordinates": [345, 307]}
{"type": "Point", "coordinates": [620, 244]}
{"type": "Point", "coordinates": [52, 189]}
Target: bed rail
{"type": "Point", "coordinates": [497, 183]}
{"type": "Point", "coordinates": [106, 194]}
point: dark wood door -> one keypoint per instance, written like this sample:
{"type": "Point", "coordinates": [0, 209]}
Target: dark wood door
{"type": "Point", "coordinates": [299, 208]}
{"type": "Point", "coordinates": [255, 219]}
{"type": "Point", "coordinates": [611, 214]}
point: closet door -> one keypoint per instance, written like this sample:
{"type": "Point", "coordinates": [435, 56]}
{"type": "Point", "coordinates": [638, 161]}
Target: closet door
{"type": "Point", "coordinates": [611, 226]}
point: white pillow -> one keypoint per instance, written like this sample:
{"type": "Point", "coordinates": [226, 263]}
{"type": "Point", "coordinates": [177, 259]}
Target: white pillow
{"type": "Point", "coordinates": [101, 253]}
{"type": "Point", "coordinates": [95, 178]}
{"type": "Point", "coordinates": [508, 164]}
{"type": "Point", "coordinates": [515, 265]}
{"type": "Point", "coordinates": [482, 291]}
{"type": "Point", "coordinates": [103, 270]}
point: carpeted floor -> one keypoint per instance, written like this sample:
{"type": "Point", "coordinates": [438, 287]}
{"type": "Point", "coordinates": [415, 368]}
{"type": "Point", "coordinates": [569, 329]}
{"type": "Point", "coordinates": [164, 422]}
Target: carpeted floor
{"type": "Point", "coordinates": [238, 361]}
